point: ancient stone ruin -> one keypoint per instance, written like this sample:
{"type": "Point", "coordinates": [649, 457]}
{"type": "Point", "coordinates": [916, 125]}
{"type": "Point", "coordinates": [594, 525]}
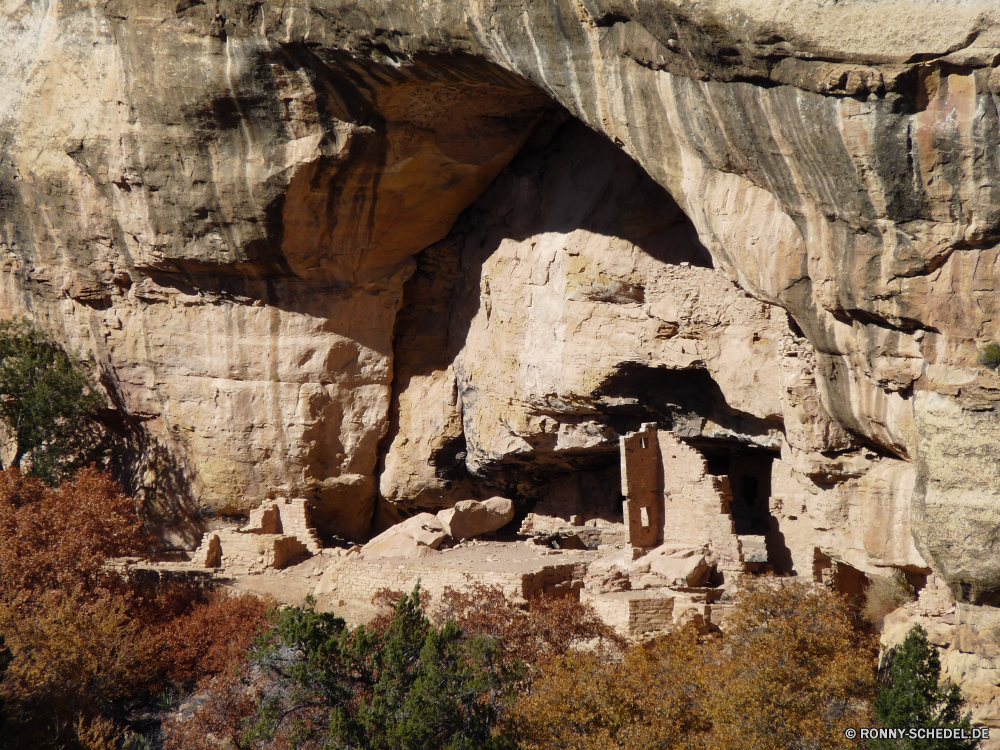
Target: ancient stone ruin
{"type": "Point", "coordinates": [277, 533]}
{"type": "Point", "coordinates": [701, 289]}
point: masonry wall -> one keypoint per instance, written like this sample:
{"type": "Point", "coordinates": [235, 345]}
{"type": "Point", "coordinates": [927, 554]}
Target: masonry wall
{"type": "Point", "coordinates": [354, 578]}
{"type": "Point", "coordinates": [695, 503]}
{"type": "Point", "coordinates": [641, 482]}
{"type": "Point", "coordinates": [231, 548]}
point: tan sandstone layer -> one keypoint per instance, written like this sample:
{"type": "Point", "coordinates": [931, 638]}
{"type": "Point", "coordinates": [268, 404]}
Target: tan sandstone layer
{"type": "Point", "coordinates": [368, 254]}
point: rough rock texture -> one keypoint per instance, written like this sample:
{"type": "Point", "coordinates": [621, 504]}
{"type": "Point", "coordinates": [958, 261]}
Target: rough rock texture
{"type": "Point", "coordinates": [220, 204]}
{"type": "Point", "coordinates": [471, 518]}
{"type": "Point", "coordinates": [418, 536]}
{"type": "Point", "coordinates": [684, 567]}
{"type": "Point", "coordinates": [568, 303]}
{"type": "Point", "coordinates": [224, 224]}
{"type": "Point", "coordinates": [968, 640]}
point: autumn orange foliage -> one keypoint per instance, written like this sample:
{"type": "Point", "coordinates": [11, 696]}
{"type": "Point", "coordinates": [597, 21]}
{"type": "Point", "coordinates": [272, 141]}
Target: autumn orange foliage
{"type": "Point", "coordinates": [791, 671]}
{"type": "Point", "coordinates": [88, 645]}
{"type": "Point", "coordinates": [58, 538]}
{"type": "Point", "coordinates": [539, 630]}
{"type": "Point", "coordinates": [649, 700]}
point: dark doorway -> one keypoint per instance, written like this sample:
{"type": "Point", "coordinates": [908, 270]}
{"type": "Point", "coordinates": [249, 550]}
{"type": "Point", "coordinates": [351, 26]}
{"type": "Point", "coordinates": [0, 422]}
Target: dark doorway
{"type": "Point", "coordinates": [749, 472]}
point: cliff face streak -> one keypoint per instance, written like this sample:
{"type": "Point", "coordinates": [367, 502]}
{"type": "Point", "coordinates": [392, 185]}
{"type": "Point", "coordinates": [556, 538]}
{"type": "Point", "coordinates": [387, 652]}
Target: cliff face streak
{"type": "Point", "coordinates": [783, 235]}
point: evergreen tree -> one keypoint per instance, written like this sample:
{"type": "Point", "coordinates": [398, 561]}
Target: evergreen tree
{"type": "Point", "coordinates": [413, 686]}
{"type": "Point", "coordinates": [916, 698]}
{"type": "Point", "coordinates": [48, 404]}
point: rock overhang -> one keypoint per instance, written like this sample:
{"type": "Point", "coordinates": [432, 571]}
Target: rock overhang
{"type": "Point", "coordinates": [829, 169]}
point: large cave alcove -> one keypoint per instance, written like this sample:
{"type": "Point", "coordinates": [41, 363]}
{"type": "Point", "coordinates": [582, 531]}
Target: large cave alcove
{"type": "Point", "coordinates": [481, 402]}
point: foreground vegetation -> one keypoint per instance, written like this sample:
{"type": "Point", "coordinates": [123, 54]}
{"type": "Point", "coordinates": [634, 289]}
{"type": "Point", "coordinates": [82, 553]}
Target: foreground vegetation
{"type": "Point", "coordinates": [91, 649]}
{"type": "Point", "coordinates": [791, 672]}
{"type": "Point", "coordinates": [49, 405]}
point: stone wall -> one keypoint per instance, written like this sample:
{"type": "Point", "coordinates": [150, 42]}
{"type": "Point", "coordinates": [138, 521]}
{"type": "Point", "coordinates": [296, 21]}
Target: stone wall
{"type": "Point", "coordinates": [642, 486]}
{"type": "Point", "coordinates": [286, 516]}
{"type": "Point", "coordinates": [229, 548]}
{"type": "Point", "coordinates": [667, 483]}
{"type": "Point", "coordinates": [634, 613]}
{"type": "Point", "coordinates": [355, 579]}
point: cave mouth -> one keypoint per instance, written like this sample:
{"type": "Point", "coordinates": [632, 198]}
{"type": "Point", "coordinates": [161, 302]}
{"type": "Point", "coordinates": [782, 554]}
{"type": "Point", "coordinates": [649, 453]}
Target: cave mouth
{"type": "Point", "coordinates": [749, 471]}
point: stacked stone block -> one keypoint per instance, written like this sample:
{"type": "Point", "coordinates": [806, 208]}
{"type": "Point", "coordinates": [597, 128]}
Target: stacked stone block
{"type": "Point", "coordinates": [356, 579]}
{"type": "Point", "coordinates": [237, 549]}
{"type": "Point", "coordinates": [286, 516]}
{"type": "Point", "coordinates": [634, 613]}
{"type": "Point", "coordinates": [277, 533]}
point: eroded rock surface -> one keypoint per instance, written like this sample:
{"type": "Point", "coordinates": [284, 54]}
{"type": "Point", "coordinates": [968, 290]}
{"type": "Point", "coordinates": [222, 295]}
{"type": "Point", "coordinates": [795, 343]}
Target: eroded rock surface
{"type": "Point", "coordinates": [220, 203]}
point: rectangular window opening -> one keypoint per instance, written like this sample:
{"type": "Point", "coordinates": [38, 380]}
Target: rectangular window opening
{"type": "Point", "coordinates": [644, 517]}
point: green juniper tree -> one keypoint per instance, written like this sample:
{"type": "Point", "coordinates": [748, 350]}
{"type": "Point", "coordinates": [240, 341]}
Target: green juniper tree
{"type": "Point", "coordinates": [990, 356]}
{"type": "Point", "coordinates": [48, 403]}
{"type": "Point", "coordinates": [413, 686]}
{"type": "Point", "coordinates": [916, 698]}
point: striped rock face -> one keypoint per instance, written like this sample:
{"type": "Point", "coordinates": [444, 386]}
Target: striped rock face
{"type": "Point", "coordinates": [396, 255]}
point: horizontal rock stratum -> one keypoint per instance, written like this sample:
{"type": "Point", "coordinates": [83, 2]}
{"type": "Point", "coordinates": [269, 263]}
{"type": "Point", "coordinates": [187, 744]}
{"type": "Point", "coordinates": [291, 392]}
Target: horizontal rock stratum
{"type": "Point", "coordinates": [399, 254]}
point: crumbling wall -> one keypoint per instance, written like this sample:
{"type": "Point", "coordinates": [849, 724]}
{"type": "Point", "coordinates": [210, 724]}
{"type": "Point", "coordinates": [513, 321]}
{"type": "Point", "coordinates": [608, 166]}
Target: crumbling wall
{"type": "Point", "coordinates": [230, 548]}
{"type": "Point", "coordinates": [667, 483]}
{"type": "Point", "coordinates": [353, 578]}
{"type": "Point", "coordinates": [642, 486]}
{"type": "Point", "coordinates": [285, 516]}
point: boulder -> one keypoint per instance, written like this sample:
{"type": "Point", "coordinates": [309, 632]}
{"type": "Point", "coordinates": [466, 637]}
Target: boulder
{"type": "Point", "coordinates": [679, 567]}
{"type": "Point", "coordinates": [609, 572]}
{"type": "Point", "coordinates": [418, 536]}
{"type": "Point", "coordinates": [470, 518]}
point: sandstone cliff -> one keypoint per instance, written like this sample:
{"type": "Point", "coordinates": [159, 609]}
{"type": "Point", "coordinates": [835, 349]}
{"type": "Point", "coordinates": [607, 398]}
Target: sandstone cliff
{"type": "Point", "coordinates": [779, 233]}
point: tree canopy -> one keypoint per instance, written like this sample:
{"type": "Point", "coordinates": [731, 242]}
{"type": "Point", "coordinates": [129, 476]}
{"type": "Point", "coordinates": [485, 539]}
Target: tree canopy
{"type": "Point", "coordinates": [48, 403]}
{"type": "Point", "coordinates": [917, 698]}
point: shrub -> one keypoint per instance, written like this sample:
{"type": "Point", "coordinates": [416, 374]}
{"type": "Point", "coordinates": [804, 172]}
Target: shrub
{"type": "Point", "coordinates": [916, 698]}
{"type": "Point", "coordinates": [650, 700]}
{"type": "Point", "coordinates": [48, 403]}
{"type": "Point", "coordinates": [885, 594]}
{"type": "Point", "coordinates": [990, 356]}
{"type": "Point", "coordinates": [229, 703]}
{"type": "Point", "coordinates": [77, 658]}
{"type": "Point", "coordinates": [99, 734]}
{"type": "Point", "coordinates": [214, 636]}
{"type": "Point", "coordinates": [5, 659]}
{"type": "Point", "coordinates": [411, 686]}
{"type": "Point", "coordinates": [58, 538]}
{"type": "Point", "coordinates": [791, 670]}
{"type": "Point", "coordinates": [531, 634]}
{"type": "Point", "coordinates": [89, 646]}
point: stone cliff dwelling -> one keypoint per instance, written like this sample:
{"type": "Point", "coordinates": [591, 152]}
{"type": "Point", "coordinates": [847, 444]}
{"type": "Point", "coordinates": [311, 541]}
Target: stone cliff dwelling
{"type": "Point", "coordinates": [611, 305]}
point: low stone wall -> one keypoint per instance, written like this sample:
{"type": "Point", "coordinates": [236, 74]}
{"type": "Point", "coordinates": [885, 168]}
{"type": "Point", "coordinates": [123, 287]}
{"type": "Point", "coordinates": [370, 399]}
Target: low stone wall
{"type": "Point", "coordinates": [284, 516]}
{"type": "Point", "coordinates": [353, 578]}
{"type": "Point", "coordinates": [633, 613]}
{"type": "Point", "coordinates": [229, 548]}
{"type": "Point", "coordinates": [648, 612]}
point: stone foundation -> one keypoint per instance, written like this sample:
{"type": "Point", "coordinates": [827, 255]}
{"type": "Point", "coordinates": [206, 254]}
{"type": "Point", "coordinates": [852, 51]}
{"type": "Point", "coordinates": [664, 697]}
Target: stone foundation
{"type": "Point", "coordinates": [521, 573]}
{"type": "Point", "coordinates": [230, 548]}
{"type": "Point", "coordinates": [634, 613]}
{"type": "Point", "coordinates": [286, 516]}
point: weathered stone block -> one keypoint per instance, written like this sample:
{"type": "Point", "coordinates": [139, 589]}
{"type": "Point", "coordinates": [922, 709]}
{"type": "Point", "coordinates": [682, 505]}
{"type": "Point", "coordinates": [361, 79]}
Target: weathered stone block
{"type": "Point", "coordinates": [415, 537]}
{"type": "Point", "coordinates": [471, 518]}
